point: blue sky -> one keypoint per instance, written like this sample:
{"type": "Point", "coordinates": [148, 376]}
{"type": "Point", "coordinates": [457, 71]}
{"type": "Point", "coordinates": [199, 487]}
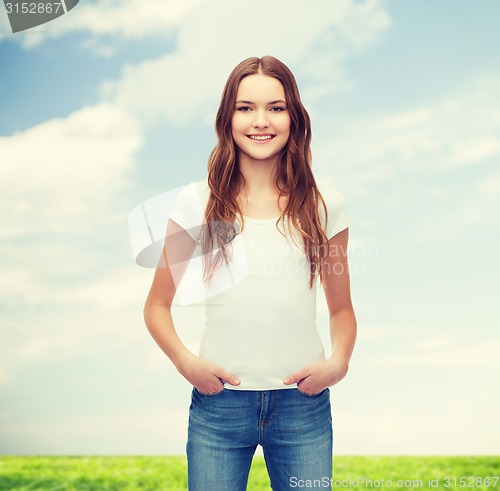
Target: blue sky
{"type": "Point", "coordinates": [114, 103]}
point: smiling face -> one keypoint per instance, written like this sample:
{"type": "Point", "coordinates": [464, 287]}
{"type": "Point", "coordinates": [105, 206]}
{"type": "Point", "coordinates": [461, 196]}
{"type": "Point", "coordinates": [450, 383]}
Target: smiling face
{"type": "Point", "coordinates": [261, 121]}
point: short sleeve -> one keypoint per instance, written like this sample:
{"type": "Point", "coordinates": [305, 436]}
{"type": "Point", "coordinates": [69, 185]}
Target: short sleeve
{"type": "Point", "coordinates": [338, 219]}
{"type": "Point", "coordinates": [187, 210]}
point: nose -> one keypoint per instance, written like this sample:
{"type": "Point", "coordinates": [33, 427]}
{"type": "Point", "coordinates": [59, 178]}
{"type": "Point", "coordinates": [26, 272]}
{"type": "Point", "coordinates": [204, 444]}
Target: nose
{"type": "Point", "coordinates": [260, 119]}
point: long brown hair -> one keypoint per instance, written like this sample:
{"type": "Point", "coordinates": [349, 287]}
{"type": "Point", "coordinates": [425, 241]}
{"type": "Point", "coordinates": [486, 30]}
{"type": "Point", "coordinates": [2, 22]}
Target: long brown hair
{"type": "Point", "coordinates": [293, 175]}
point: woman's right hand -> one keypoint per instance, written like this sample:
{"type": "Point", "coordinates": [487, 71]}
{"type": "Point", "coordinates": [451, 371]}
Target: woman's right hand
{"type": "Point", "coordinates": [206, 376]}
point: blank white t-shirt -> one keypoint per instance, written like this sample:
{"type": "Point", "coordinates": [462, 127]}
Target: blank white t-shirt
{"type": "Point", "coordinates": [261, 325]}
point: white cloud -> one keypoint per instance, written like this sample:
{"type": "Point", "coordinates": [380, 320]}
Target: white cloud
{"type": "Point", "coordinates": [91, 317]}
{"type": "Point", "coordinates": [63, 173]}
{"type": "Point", "coordinates": [436, 342]}
{"type": "Point", "coordinates": [123, 19]}
{"type": "Point", "coordinates": [380, 409]}
{"type": "Point", "coordinates": [356, 25]}
{"type": "Point", "coordinates": [461, 130]}
{"type": "Point", "coordinates": [391, 424]}
{"type": "Point", "coordinates": [439, 352]}
{"type": "Point", "coordinates": [434, 149]}
{"type": "Point", "coordinates": [141, 430]}
{"type": "Point", "coordinates": [61, 183]}
{"type": "Point", "coordinates": [377, 331]}
{"type": "Point", "coordinates": [186, 84]}
{"type": "Point", "coordinates": [480, 206]}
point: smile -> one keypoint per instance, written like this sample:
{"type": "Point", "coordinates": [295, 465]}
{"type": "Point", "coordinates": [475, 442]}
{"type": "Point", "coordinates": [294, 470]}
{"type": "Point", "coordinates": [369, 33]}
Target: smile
{"type": "Point", "coordinates": [260, 138]}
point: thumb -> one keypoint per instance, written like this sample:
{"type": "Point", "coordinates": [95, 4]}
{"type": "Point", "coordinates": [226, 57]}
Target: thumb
{"type": "Point", "coordinates": [295, 377]}
{"type": "Point", "coordinates": [228, 377]}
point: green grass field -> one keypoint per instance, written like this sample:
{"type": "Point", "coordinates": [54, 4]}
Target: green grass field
{"type": "Point", "coordinates": [169, 473]}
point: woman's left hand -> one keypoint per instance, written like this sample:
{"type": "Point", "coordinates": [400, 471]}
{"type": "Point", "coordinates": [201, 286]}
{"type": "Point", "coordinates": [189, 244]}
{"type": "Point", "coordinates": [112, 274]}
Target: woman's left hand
{"type": "Point", "coordinates": [316, 377]}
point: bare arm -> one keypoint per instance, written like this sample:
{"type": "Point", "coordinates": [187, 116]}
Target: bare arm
{"type": "Point", "coordinates": [177, 251]}
{"type": "Point", "coordinates": [343, 327]}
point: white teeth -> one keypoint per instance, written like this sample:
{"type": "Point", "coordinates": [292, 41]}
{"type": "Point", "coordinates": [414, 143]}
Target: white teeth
{"type": "Point", "coordinates": [266, 137]}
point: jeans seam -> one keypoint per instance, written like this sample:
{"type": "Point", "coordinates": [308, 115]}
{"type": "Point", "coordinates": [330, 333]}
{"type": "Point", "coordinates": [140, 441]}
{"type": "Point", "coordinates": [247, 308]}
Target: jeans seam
{"type": "Point", "coordinates": [273, 411]}
{"type": "Point", "coordinates": [261, 422]}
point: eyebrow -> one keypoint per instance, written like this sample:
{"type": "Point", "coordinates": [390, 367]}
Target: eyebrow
{"type": "Point", "coordinates": [272, 102]}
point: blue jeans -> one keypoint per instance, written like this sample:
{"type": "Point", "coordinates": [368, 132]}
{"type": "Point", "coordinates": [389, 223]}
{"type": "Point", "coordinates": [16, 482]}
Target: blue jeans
{"type": "Point", "coordinates": [293, 428]}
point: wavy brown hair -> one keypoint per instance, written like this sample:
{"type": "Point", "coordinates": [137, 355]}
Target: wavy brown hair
{"type": "Point", "coordinates": [293, 175]}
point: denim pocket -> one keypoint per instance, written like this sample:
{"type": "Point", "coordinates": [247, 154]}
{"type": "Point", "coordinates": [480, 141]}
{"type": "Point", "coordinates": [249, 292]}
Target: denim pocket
{"type": "Point", "coordinates": [311, 395]}
{"type": "Point", "coordinates": [209, 395]}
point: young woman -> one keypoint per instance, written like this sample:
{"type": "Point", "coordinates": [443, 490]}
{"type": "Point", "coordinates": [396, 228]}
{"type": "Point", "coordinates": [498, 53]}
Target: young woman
{"type": "Point", "coordinates": [261, 376]}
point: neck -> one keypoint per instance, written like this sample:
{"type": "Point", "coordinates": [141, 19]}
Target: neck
{"type": "Point", "coordinates": [259, 175]}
